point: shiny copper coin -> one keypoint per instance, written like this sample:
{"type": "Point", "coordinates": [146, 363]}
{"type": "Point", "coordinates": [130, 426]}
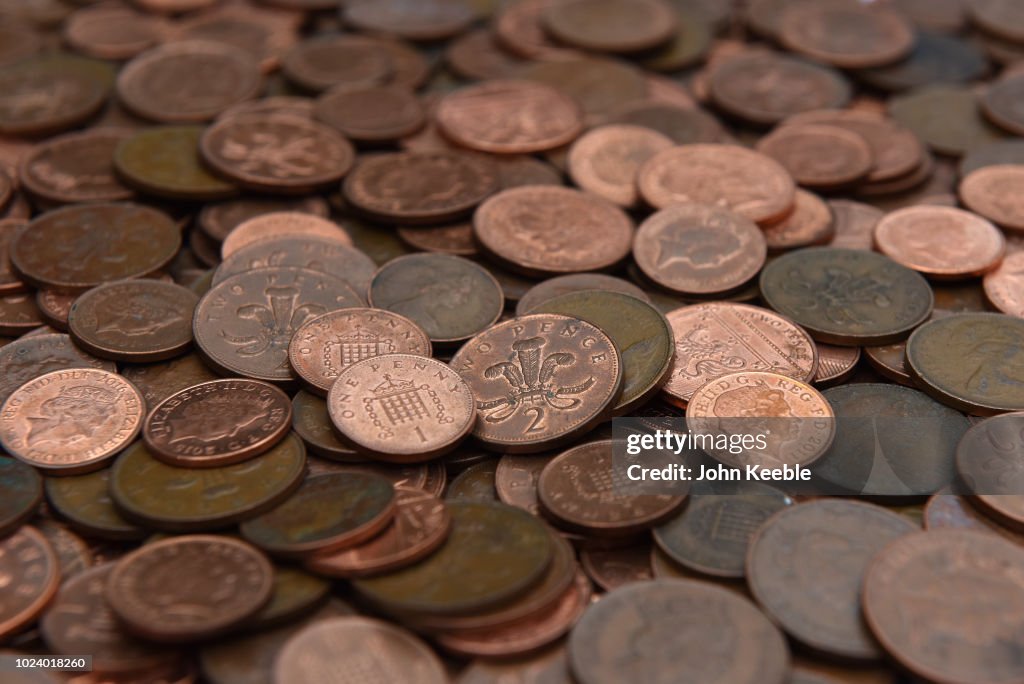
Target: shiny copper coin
{"type": "Point", "coordinates": [376, 114]}
{"type": "Point", "coordinates": [699, 249]}
{"type": "Point", "coordinates": [244, 324]}
{"type": "Point", "coordinates": [115, 33]}
{"type": "Point", "coordinates": [401, 407]}
{"type": "Point", "coordinates": [77, 167]}
{"type": "Point", "coordinates": [420, 525]}
{"type": "Point", "coordinates": [539, 381]}
{"type": "Point", "coordinates": [332, 60]}
{"type": "Point", "coordinates": [50, 93]}
{"type": "Point", "coordinates": [941, 242]}
{"type": "Point", "coordinates": [312, 424]}
{"type": "Point", "coordinates": [22, 490]}
{"type": "Point", "coordinates": [30, 357]}
{"type": "Point", "coordinates": [846, 35]}
{"type": "Point", "coordinates": [134, 320]}
{"type": "Point", "coordinates": [157, 381]}
{"type": "Point", "coordinates": [987, 458]}
{"type": "Point", "coordinates": [728, 176]}
{"type": "Point", "coordinates": [276, 153]}
{"type": "Point", "coordinates": [29, 564]}
{"type": "Point", "coordinates": [605, 160]}
{"type": "Point", "coordinates": [610, 25]}
{"type": "Point", "coordinates": [280, 225]}
{"type": "Point", "coordinates": [819, 156]}
{"type": "Point", "coordinates": [810, 223]}
{"type": "Point", "coordinates": [1004, 287]}
{"type": "Point", "coordinates": [9, 281]}
{"type": "Point", "coordinates": [925, 573]}
{"type": "Point", "coordinates": [456, 239]}
{"type": "Point", "coordinates": [992, 192]}
{"type": "Point", "coordinates": [427, 187]}
{"type": "Point", "coordinates": [217, 423]}
{"type": "Point", "coordinates": [188, 81]}
{"type": "Point", "coordinates": [218, 220]}
{"type": "Point", "coordinates": [188, 588]}
{"type": "Point", "coordinates": [327, 345]}
{"type": "Point", "coordinates": [76, 248]}
{"type": "Point", "coordinates": [518, 227]}
{"type": "Point", "coordinates": [18, 314]}
{"type": "Point", "coordinates": [509, 117]}
{"type": "Point", "coordinates": [71, 421]}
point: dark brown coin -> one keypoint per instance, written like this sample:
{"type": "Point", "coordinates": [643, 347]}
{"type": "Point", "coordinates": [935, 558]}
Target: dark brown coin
{"type": "Point", "coordinates": [217, 423]}
{"type": "Point", "coordinates": [371, 115]}
{"type": "Point", "coordinates": [312, 424]}
{"type": "Point", "coordinates": [936, 58]}
{"type": "Point", "coordinates": [926, 575]}
{"type": "Point", "coordinates": [613, 568]}
{"type": "Point", "coordinates": [54, 308]}
{"type": "Point", "coordinates": [76, 248]}
{"type": "Point", "coordinates": [449, 297]}
{"type": "Point", "coordinates": [427, 187]}
{"type": "Point", "coordinates": [684, 126]}
{"type": "Point", "coordinates": [9, 281]}
{"type": "Point", "coordinates": [846, 35]}
{"type": "Point", "coordinates": [263, 33]}
{"type": "Point", "coordinates": [478, 56]}
{"type": "Point", "coordinates": [475, 483]}
{"type": "Point", "coordinates": [432, 20]}
{"type": "Point", "coordinates": [599, 86]}
{"type": "Point", "coordinates": [115, 33]}
{"type": "Point", "coordinates": [77, 167]}
{"type": "Point", "coordinates": [28, 563]}
{"type": "Point", "coordinates": [164, 161]}
{"type": "Point", "coordinates": [806, 565]}
{"type": "Point", "coordinates": [1001, 104]}
{"type": "Point", "coordinates": [217, 220]}
{"type": "Point", "coordinates": [605, 160]}
{"type": "Point", "coordinates": [84, 502]}
{"type": "Point", "coordinates": [325, 346]}
{"type": "Point", "coordinates": [854, 224]}
{"type": "Point", "coordinates": [577, 282]}
{"type": "Point", "coordinates": [19, 40]}
{"type": "Point", "coordinates": [189, 588]}
{"type": "Point", "coordinates": [945, 511]}
{"type": "Point", "coordinates": [328, 61]}
{"type": "Point", "coordinates": [455, 239]}
{"type": "Point", "coordinates": [516, 480]}
{"type": "Point", "coordinates": [509, 117]}
{"type": "Point", "coordinates": [74, 555]}
{"type": "Point", "coordinates": [889, 361]}
{"type": "Point", "coordinates": [961, 127]}
{"type": "Point", "coordinates": [157, 381]}
{"type": "Point", "coordinates": [810, 223]}
{"type": "Point", "coordinates": [610, 25]}
{"type": "Point", "coordinates": [51, 93]}
{"type": "Point", "coordinates": [188, 81]}
{"type": "Point", "coordinates": [663, 611]}
{"type": "Point", "coordinates": [819, 155]}
{"type": "Point", "coordinates": [282, 225]}
{"type": "Point", "coordinates": [134, 320]}
{"type": "Point", "coordinates": [539, 381]}
{"type": "Point", "coordinates": [19, 314]}
{"type": "Point", "coordinates": [276, 153]}
{"type": "Point", "coordinates": [517, 227]}
{"type": "Point", "coordinates": [996, 153]}
{"type": "Point", "coordinates": [548, 666]}
{"type": "Point", "coordinates": [244, 324]}
{"type": "Point", "coordinates": [22, 490]}
{"type": "Point", "coordinates": [429, 477]}
{"type": "Point", "coordinates": [987, 460]}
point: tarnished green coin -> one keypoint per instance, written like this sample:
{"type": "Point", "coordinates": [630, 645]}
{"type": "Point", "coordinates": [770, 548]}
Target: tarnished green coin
{"type": "Point", "coordinates": [494, 552]}
{"type": "Point", "coordinates": [890, 441]}
{"type": "Point", "coordinates": [21, 491]}
{"type": "Point", "coordinates": [295, 593]}
{"type": "Point", "coordinates": [312, 423]}
{"type": "Point", "coordinates": [971, 361]}
{"type": "Point", "coordinates": [164, 161]}
{"type": "Point", "coordinates": [946, 118]}
{"type": "Point", "coordinates": [327, 513]}
{"type": "Point", "coordinates": [574, 282]}
{"type": "Point", "coordinates": [174, 499]}
{"type": "Point", "coordinates": [84, 501]}
{"type": "Point", "coordinates": [640, 332]}
{"type": "Point", "coordinates": [848, 297]}
{"type": "Point", "coordinates": [475, 483]}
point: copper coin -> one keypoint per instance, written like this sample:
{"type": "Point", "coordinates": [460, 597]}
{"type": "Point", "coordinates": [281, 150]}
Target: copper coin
{"type": "Point", "coordinates": [941, 242]}
{"type": "Point", "coordinates": [517, 227]}
{"type": "Point", "coordinates": [217, 423]}
{"type": "Point", "coordinates": [280, 225]}
{"type": "Point", "coordinates": [726, 176]}
{"type": "Point", "coordinates": [576, 282]}
{"type": "Point", "coordinates": [605, 160]}
{"type": "Point", "coordinates": [54, 308]}
{"type": "Point", "coordinates": [478, 56]}
{"type": "Point", "coordinates": [765, 88]}
{"type": "Point", "coordinates": [659, 613]}
{"type": "Point", "coordinates": [50, 93]}
{"type": "Point", "coordinates": [347, 61]}
{"type": "Point", "coordinates": [188, 81]}
{"type": "Point", "coordinates": [475, 483]}
{"type": "Point", "coordinates": [218, 220]}
{"type": "Point", "coordinates": [539, 381]}
{"type": "Point", "coordinates": [818, 155]}
{"type": "Point", "coordinates": [449, 297]}
{"type": "Point", "coordinates": [889, 361]}
{"type": "Point", "coordinates": [19, 314]}
{"type": "Point", "coordinates": [312, 424]}
{"type": "Point", "coordinates": [427, 187]}
{"type": "Point", "coordinates": [9, 282]}
{"type": "Point", "coordinates": [949, 511]}
{"type": "Point", "coordinates": [28, 562]}
{"type": "Point", "coordinates": [264, 33]}
{"type": "Point", "coordinates": [76, 248]}
{"type": "Point", "coordinates": [1004, 286]}
{"type": "Point", "coordinates": [805, 567]}
{"type": "Point", "coordinates": [74, 555]}
{"type": "Point", "coordinates": [961, 127]}
{"type": "Point", "coordinates": [276, 153]}
{"type": "Point", "coordinates": [327, 345]}
{"type": "Point", "coordinates": [854, 224]}
{"type": "Point", "coordinates": [1001, 104]}
{"type": "Point", "coordinates": [19, 40]}
{"type": "Point", "coordinates": [515, 480]}
{"type": "Point", "coordinates": [291, 105]}
{"type": "Point", "coordinates": [115, 33]}
{"type": "Point", "coordinates": [77, 167]}
{"type": "Point", "coordinates": [991, 192]}
{"type": "Point", "coordinates": [432, 20]}
{"type": "Point", "coordinates": [22, 490]}
{"type": "Point", "coordinates": [509, 117]}
{"type": "Point", "coordinates": [157, 381]}
{"type": "Point", "coordinates": [548, 666]}
{"type": "Point", "coordinates": [429, 477]}
{"type": "Point", "coordinates": [377, 114]}
{"type": "Point", "coordinates": [420, 525]}
{"type": "Point", "coordinates": [986, 461]}
{"type": "Point", "coordinates": [612, 568]}
{"type": "Point", "coordinates": [518, 29]}
{"type": "Point", "coordinates": [846, 35]}
{"type": "Point", "coordinates": [610, 25]}
{"type": "Point", "coordinates": [134, 320]}
{"type": "Point", "coordinates": [936, 58]}
{"type": "Point", "coordinates": [189, 588]}
{"type": "Point", "coordinates": [456, 239]}
{"type": "Point", "coordinates": [577, 489]}
{"type": "Point", "coordinates": [84, 502]}
{"type": "Point", "coordinates": [925, 574]}
{"type": "Point", "coordinates": [164, 161]}
{"type": "Point", "coordinates": [80, 621]}
{"type": "Point", "coordinates": [401, 407]}
{"type": "Point", "coordinates": [1000, 17]}
{"type": "Point", "coordinates": [1000, 152]}
{"type": "Point", "coordinates": [244, 324]}
{"type": "Point", "coordinates": [71, 421]}
{"type": "Point", "coordinates": [798, 423]}
{"type": "Point", "coordinates": [599, 86]}
{"type": "Point", "coordinates": [810, 223]}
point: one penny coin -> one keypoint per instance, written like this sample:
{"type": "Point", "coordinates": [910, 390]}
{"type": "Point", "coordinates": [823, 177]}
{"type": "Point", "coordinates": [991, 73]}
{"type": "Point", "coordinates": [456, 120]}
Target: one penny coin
{"type": "Point", "coordinates": [22, 490]}
{"type": "Point", "coordinates": [835, 364]}
{"type": "Point", "coordinates": [218, 220]}
{"type": "Point", "coordinates": [941, 242]}
{"type": "Point", "coordinates": [539, 381]}
{"type": "Point", "coordinates": [992, 192]}
{"type": "Point", "coordinates": [29, 564]}
{"type": "Point", "coordinates": [605, 160]}
{"type": "Point", "coordinates": [1004, 287]}
{"type": "Point", "coordinates": [164, 161]}
{"type": "Point", "coordinates": [71, 421]}
{"type": "Point", "coordinates": [281, 225]}
{"type": "Point", "coordinates": [371, 115]}
{"type": "Point", "coordinates": [218, 423]}
{"type": "Point", "coordinates": [76, 167]}
{"type": "Point", "coordinates": [222, 581]}
{"type": "Point", "coordinates": [402, 408]}
{"type": "Point", "coordinates": [994, 442]}
{"type": "Point", "coordinates": [819, 156]}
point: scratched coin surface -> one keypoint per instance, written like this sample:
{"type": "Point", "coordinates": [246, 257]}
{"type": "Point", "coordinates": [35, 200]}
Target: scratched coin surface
{"type": "Point", "coordinates": [221, 581]}
{"type": "Point", "coordinates": [988, 192]}
{"type": "Point", "coordinates": [29, 564]}
{"type": "Point", "coordinates": [728, 176]}
{"type": "Point", "coordinates": [960, 579]}
{"type": "Point", "coordinates": [244, 324]}
{"type": "Point", "coordinates": [328, 344]}
{"type": "Point", "coordinates": [71, 421]}
{"type": "Point", "coordinates": [806, 565]}
{"type": "Point", "coordinates": [988, 460]}
{"type": "Point", "coordinates": [847, 297]}
{"type": "Point", "coordinates": [29, 357]}
{"type": "Point", "coordinates": [401, 407]}
{"type": "Point", "coordinates": [22, 490]}
{"type": "Point", "coordinates": [941, 242]}
{"type": "Point", "coordinates": [539, 381]}
{"type": "Point", "coordinates": [217, 423]}
{"type": "Point", "coordinates": [605, 160]}
{"type": "Point", "coordinates": [280, 225]}
{"type": "Point", "coordinates": [76, 167]}
{"type": "Point", "coordinates": [518, 228]}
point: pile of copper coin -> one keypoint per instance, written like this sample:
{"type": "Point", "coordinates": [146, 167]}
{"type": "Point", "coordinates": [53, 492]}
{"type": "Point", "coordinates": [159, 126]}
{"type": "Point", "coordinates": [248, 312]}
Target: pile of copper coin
{"type": "Point", "coordinates": [316, 315]}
